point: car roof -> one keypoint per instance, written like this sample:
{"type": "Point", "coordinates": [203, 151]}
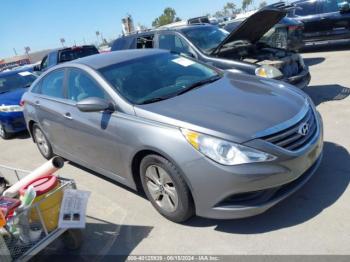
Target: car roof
{"type": "Point", "coordinates": [165, 29]}
{"type": "Point", "coordinates": [70, 48]}
{"type": "Point", "coordinates": [106, 59]}
{"type": "Point", "coordinates": [13, 72]}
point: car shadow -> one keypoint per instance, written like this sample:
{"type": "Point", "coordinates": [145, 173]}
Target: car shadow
{"type": "Point", "coordinates": [102, 241]}
{"type": "Point", "coordinates": [311, 61]}
{"type": "Point", "coordinates": [323, 190]}
{"type": "Point", "coordinates": [139, 193]}
{"type": "Point", "coordinates": [324, 93]}
{"type": "Point", "coordinates": [20, 135]}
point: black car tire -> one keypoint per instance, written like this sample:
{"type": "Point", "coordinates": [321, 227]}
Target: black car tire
{"type": "Point", "coordinates": [42, 142]}
{"type": "Point", "coordinates": [185, 207]}
{"type": "Point", "coordinates": [3, 133]}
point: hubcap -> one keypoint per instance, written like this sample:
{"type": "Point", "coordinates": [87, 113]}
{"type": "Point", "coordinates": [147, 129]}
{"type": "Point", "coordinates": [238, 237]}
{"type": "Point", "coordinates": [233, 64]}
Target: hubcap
{"type": "Point", "coordinates": [41, 142]}
{"type": "Point", "coordinates": [162, 188]}
{"type": "Point", "coordinates": [2, 131]}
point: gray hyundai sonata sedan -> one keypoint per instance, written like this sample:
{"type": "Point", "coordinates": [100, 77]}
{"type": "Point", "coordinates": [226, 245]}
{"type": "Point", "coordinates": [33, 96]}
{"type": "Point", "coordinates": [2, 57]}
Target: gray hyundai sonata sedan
{"type": "Point", "coordinates": [196, 139]}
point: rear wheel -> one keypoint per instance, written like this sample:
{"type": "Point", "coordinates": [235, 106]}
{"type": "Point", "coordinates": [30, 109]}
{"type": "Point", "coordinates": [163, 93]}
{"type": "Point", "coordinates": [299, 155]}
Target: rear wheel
{"type": "Point", "coordinates": [42, 142]}
{"type": "Point", "coordinates": [3, 133]}
{"type": "Point", "coordinates": [166, 188]}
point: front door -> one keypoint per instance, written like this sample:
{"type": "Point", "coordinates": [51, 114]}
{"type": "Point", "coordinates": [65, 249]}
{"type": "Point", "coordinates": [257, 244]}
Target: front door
{"type": "Point", "coordinates": [92, 136]}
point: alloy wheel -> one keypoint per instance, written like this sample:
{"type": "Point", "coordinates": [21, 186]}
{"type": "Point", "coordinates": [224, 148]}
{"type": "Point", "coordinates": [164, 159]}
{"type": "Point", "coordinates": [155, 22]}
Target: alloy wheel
{"type": "Point", "coordinates": [2, 131]}
{"type": "Point", "coordinates": [162, 189]}
{"type": "Point", "coordinates": [41, 141]}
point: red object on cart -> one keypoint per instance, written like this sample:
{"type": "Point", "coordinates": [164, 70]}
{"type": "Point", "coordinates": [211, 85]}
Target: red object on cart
{"type": "Point", "coordinates": [8, 205]}
{"type": "Point", "coordinates": [41, 185]}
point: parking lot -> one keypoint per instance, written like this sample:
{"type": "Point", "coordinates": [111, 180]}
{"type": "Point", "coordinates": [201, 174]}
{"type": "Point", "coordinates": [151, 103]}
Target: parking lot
{"type": "Point", "coordinates": [315, 220]}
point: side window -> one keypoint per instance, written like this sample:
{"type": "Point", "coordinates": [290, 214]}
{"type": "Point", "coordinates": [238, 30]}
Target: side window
{"type": "Point", "coordinates": [329, 6]}
{"type": "Point", "coordinates": [145, 41]}
{"type": "Point", "coordinates": [37, 88]}
{"type": "Point", "coordinates": [43, 64]}
{"type": "Point", "coordinates": [173, 43]}
{"type": "Point", "coordinates": [306, 8]}
{"type": "Point", "coordinates": [52, 84]}
{"type": "Point", "coordinates": [52, 59]}
{"type": "Point", "coordinates": [81, 86]}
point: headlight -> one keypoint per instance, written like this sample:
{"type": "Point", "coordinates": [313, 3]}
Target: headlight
{"type": "Point", "coordinates": [224, 152]}
{"type": "Point", "coordinates": [268, 72]}
{"type": "Point", "coordinates": [10, 108]}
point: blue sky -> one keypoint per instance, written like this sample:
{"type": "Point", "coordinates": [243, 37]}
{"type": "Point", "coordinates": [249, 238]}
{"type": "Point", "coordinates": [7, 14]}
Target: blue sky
{"type": "Point", "coordinates": [40, 24]}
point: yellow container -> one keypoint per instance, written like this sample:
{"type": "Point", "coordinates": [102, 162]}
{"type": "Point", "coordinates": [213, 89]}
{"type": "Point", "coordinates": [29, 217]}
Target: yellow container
{"type": "Point", "coordinates": [49, 200]}
{"type": "Point", "coordinates": [49, 209]}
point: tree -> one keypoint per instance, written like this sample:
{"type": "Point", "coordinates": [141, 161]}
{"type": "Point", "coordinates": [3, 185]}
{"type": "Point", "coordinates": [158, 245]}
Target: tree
{"type": "Point", "coordinates": [230, 8]}
{"type": "Point", "coordinates": [246, 3]}
{"type": "Point", "coordinates": [262, 4]}
{"type": "Point", "coordinates": [168, 17]}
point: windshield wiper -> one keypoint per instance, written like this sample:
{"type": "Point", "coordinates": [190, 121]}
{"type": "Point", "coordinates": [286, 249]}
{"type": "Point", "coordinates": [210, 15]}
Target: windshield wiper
{"type": "Point", "coordinates": [154, 99]}
{"type": "Point", "coordinates": [199, 83]}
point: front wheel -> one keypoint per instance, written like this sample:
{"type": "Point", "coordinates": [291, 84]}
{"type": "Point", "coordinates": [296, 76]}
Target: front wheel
{"type": "Point", "coordinates": [42, 142]}
{"type": "Point", "coordinates": [166, 188]}
{"type": "Point", "coordinates": [3, 133]}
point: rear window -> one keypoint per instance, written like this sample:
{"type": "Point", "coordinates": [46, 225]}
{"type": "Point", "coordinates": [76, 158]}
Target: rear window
{"type": "Point", "coordinates": [75, 53]}
{"type": "Point", "coordinates": [123, 43]}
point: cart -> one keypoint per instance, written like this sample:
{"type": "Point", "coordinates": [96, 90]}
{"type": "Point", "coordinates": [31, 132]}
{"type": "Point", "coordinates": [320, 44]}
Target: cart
{"type": "Point", "coordinates": [32, 234]}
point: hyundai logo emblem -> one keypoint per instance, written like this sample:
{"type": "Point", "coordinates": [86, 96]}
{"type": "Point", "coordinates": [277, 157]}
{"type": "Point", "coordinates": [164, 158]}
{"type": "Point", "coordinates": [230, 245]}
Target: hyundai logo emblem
{"type": "Point", "coordinates": [304, 129]}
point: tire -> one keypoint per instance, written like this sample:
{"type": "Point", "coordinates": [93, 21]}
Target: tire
{"type": "Point", "coordinates": [166, 189]}
{"type": "Point", "coordinates": [72, 239]}
{"type": "Point", "coordinates": [42, 142]}
{"type": "Point", "coordinates": [3, 133]}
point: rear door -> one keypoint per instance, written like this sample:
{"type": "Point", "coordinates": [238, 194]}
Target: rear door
{"type": "Point", "coordinates": [92, 136]}
{"type": "Point", "coordinates": [309, 13]}
{"type": "Point", "coordinates": [49, 106]}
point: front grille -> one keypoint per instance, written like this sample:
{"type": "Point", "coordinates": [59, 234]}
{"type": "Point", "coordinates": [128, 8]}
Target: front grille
{"type": "Point", "coordinates": [291, 138]}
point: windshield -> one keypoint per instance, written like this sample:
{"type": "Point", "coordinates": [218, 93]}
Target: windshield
{"type": "Point", "coordinates": [16, 80]}
{"type": "Point", "coordinates": [207, 37]}
{"type": "Point", "coordinates": [156, 77]}
{"type": "Point", "coordinates": [78, 52]}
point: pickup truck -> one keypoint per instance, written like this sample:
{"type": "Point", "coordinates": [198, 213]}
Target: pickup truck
{"type": "Point", "coordinates": [58, 56]}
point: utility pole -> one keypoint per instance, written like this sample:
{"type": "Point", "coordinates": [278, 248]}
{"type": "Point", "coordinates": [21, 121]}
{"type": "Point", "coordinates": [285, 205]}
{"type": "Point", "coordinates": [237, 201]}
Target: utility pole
{"type": "Point", "coordinates": [14, 50]}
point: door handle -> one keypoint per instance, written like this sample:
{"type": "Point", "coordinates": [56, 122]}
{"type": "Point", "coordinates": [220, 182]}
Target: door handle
{"type": "Point", "coordinates": [68, 116]}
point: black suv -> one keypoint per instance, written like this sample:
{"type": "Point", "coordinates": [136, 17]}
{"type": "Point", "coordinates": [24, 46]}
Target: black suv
{"type": "Point", "coordinates": [238, 51]}
{"type": "Point", "coordinates": [64, 55]}
{"type": "Point", "coordinates": [323, 19]}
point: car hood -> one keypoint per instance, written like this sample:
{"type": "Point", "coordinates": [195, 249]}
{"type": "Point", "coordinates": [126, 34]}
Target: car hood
{"type": "Point", "coordinates": [254, 27]}
{"type": "Point", "coordinates": [12, 97]}
{"type": "Point", "coordinates": [236, 107]}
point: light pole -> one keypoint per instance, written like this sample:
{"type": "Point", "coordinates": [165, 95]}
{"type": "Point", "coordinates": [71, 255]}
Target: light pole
{"type": "Point", "coordinates": [62, 40]}
{"type": "Point", "coordinates": [97, 35]}
{"type": "Point", "coordinates": [27, 50]}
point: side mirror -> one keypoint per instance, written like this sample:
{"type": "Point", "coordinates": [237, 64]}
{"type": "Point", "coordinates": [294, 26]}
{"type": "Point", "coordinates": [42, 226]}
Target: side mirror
{"type": "Point", "coordinates": [95, 104]}
{"type": "Point", "coordinates": [37, 68]}
{"type": "Point", "coordinates": [344, 7]}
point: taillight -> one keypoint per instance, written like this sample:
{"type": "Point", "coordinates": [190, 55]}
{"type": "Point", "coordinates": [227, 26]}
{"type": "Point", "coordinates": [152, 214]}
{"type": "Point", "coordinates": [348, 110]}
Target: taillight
{"type": "Point", "coordinates": [21, 104]}
{"type": "Point", "coordinates": [295, 27]}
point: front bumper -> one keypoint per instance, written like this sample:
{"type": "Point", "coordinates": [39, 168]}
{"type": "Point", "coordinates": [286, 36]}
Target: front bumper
{"type": "Point", "coordinates": [301, 80]}
{"type": "Point", "coordinates": [13, 122]}
{"type": "Point", "coordinates": [227, 192]}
